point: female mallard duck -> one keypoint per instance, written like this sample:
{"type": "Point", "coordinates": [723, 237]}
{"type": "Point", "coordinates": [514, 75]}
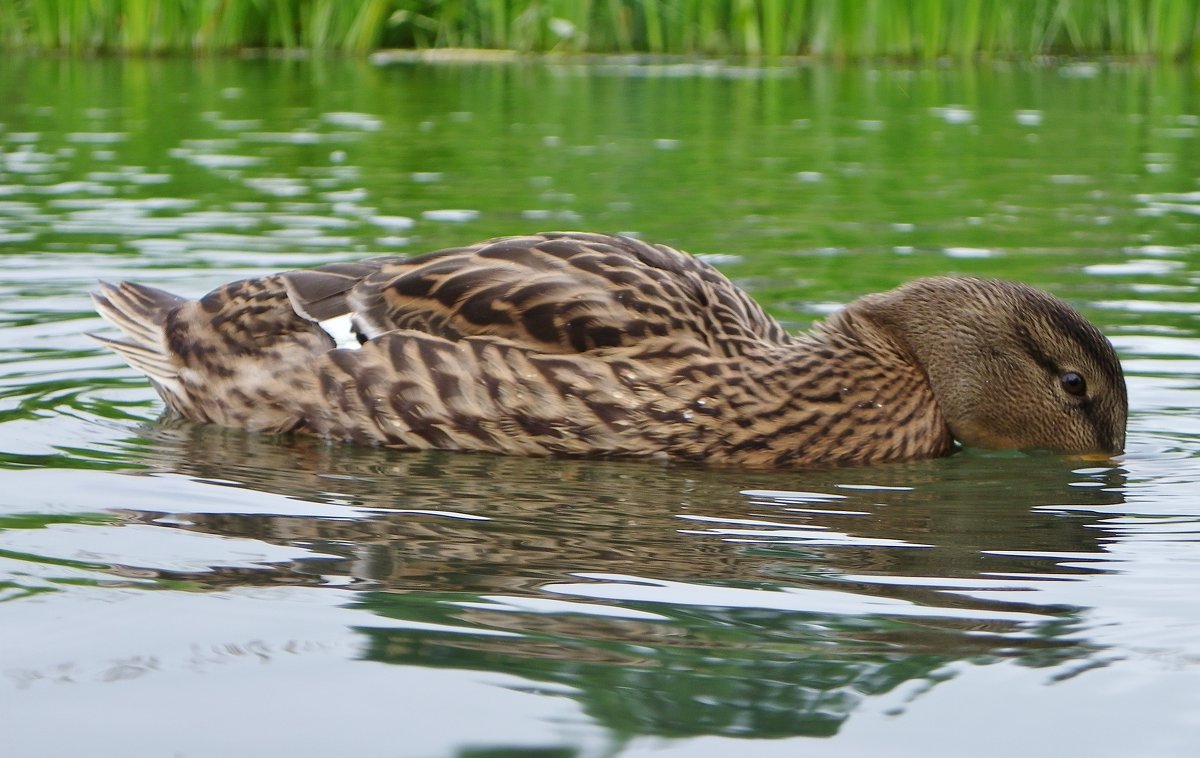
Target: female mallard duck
{"type": "Point", "coordinates": [589, 344]}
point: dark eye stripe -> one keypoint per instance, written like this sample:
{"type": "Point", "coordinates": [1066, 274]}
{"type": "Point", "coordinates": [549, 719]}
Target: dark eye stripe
{"type": "Point", "coordinates": [1091, 340]}
{"type": "Point", "coordinates": [1085, 336]}
{"type": "Point", "coordinates": [1031, 348]}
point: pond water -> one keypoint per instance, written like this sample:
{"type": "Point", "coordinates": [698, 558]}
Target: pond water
{"type": "Point", "coordinates": [178, 589]}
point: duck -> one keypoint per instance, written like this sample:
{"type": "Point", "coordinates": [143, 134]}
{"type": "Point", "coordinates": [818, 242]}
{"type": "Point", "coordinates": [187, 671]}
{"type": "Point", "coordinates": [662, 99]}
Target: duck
{"type": "Point", "coordinates": [596, 345]}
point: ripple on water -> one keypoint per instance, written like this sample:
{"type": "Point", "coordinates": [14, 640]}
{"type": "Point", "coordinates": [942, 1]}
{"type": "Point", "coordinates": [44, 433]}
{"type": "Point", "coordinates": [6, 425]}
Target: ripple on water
{"type": "Point", "coordinates": [236, 125]}
{"type": "Point", "coordinates": [365, 121]}
{"type": "Point", "coordinates": [71, 188]}
{"type": "Point", "coordinates": [128, 175]}
{"type": "Point", "coordinates": [218, 160]}
{"type": "Point", "coordinates": [297, 137]}
{"type": "Point", "coordinates": [1151, 266]}
{"type": "Point", "coordinates": [809, 535]}
{"type": "Point", "coordinates": [768, 497]}
{"type": "Point", "coordinates": [28, 161]}
{"type": "Point", "coordinates": [450, 215]}
{"type": "Point", "coordinates": [968, 252]}
{"type": "Point", "coordinates": [1170, 202]}
{"type": "Point", "coordinates": [791, 599]}
{"type": "Point", "coordinates": [953, 114]}
{"type": "Point", "coordinates": [97, 138]}
{"type": "Point", "coordinates": [310, 221]}
{"type": "Point", "coordinates": [356, 195]}
{"type": "Point", "coordinates": [311, 237]}
{"type": "Point", "coordinates": [148, 547]}
{"type": "Point", "coordinates": [278, 186]}
{"type": "Point", "coordinates": [551, 606]}
{"type": "Point", "coordinates": [1029, 117]}
{"type": "Point", "coordinates": [393, 223]}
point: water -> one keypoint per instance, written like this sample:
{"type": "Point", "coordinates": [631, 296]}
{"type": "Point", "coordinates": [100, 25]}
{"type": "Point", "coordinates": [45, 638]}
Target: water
{"type": "Point", "coordinates": [177, 589]}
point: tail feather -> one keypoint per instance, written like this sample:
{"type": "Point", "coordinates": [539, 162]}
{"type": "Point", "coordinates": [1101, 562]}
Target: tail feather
{"type": "Point", "coordinates": [137, 310]}
{"type": "Point", "coordinates": [155, 364]}
{"type": "Point", "coordinates": [140, 313]}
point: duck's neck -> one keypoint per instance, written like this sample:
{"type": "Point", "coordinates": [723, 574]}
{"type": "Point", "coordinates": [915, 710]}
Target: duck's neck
{"type": "Point", "coordinates": [850, 392]}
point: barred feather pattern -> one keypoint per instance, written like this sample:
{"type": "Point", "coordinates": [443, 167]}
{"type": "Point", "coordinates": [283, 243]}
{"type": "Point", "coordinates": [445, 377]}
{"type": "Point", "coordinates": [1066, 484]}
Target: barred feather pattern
{"type": "Point", "coordinates": [665, 397]}
{"type": "Point", "coordinates": [554, 292]}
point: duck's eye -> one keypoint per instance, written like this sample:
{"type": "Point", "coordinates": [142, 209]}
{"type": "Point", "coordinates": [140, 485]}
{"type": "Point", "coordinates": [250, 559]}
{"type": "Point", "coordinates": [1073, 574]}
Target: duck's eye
{"type": "Point", "coordinates": [1074, 384]}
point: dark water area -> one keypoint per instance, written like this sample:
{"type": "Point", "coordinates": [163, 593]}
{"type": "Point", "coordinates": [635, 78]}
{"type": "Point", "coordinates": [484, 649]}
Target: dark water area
{"type": "Point", "coordinates": [170, 588]}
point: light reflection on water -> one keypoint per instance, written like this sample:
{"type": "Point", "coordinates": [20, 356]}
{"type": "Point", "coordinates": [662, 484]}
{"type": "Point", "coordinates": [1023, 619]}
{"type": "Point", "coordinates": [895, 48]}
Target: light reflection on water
{"type": "Point", "coordinates": [591, 606]}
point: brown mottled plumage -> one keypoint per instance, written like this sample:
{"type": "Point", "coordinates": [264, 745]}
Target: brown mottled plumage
{"type": "Point", "coordinates": [589, 344]}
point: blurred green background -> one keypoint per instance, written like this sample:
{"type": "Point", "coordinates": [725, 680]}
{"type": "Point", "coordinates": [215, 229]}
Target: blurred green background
{"type": "Point", "coordinates": [922, 29]}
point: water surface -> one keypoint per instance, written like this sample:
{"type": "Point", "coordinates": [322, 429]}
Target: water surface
{"type": "Point", "coordinates": [180, 589]}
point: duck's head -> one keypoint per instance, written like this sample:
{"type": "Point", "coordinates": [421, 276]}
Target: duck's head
{"type": "Point", "coordinates": [1012, 367]}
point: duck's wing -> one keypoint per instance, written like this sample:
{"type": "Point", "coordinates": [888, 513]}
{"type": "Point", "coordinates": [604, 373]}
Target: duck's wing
{"type": "Point", "coordinates": [557, 292]}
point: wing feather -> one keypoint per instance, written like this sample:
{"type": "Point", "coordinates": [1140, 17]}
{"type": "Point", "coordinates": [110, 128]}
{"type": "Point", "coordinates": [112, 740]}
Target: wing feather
{"type": "Point", "coordinates": [557, 292]}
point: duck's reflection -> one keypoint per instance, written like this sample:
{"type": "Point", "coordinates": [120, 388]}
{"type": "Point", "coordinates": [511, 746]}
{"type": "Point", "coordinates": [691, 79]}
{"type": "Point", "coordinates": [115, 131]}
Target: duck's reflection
{"type": "Point", "coordinates": [488, 548]}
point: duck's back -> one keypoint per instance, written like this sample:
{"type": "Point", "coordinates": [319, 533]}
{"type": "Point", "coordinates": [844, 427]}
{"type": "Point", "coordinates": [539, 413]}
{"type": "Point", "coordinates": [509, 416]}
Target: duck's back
{"type": "Point", "coordinates": [565, 292]}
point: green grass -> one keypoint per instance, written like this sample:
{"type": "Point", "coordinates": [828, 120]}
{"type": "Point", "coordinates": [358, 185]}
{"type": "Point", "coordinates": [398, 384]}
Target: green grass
{"type": "Point", "coordinates": [839, 29]}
